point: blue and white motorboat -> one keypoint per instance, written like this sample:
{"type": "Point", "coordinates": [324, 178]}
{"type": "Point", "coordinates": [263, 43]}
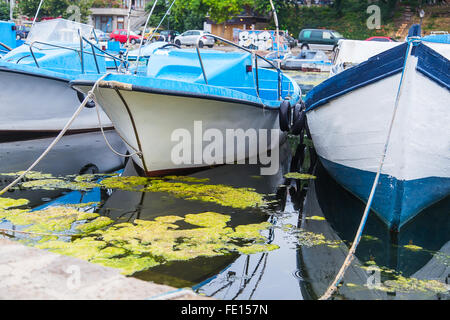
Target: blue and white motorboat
{"type": "Point", "coordinates": [275, 57]}
{"type": "Point", "coordinates": [193, 91]}
{"type": "Point", "coordinates": [349, 115]}
{"type": "Point", "coordinates": [35, 96]}
{"type": "Point", "coordinates": [308, 61]}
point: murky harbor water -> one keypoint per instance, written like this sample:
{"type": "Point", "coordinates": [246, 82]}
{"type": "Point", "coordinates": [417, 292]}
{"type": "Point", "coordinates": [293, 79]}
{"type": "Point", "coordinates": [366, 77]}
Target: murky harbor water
{"type": "Point", "coordinates": [227, 232]}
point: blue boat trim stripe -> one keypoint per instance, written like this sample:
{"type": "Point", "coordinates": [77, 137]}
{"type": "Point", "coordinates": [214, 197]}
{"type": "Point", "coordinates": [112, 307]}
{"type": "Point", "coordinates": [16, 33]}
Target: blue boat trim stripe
{"type": "Point", "coordinates": [33, 74]}
{"type": "Point", "coordinates": [368, 72]}
{"type": "Point", "coordinates": [430, 63]}
{"type": "Point", "coordinates": [396, 201]}
{"type": "Point", "coordinates": [181, 94]}
{"type": "Point", "coordinates": [347, 90]}
{"type": "Point", "coordinates": [433, 65]}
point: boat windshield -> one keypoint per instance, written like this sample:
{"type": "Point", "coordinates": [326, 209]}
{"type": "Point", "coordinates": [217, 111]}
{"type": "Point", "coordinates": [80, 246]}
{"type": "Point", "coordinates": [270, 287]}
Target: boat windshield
{"type": "Point", "coordinates": [59, 31]}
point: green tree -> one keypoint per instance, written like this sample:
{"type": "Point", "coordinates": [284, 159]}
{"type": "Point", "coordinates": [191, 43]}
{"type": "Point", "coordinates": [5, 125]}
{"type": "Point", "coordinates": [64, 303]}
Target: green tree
{"type": "Point", "coordinates": [4, 11]}
{"type": "Point", "coordinates": [55, 8]}
{"type": "Point", "coordinates": [185, 14]}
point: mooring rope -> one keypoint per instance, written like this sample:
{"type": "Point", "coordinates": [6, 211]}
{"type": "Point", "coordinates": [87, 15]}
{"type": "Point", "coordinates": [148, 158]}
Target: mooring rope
{"type": "Point", "coordinates": [350, 256]}
{"type": "Point", "coordinates": [88, 97]}
{"type": "Point", "coordinates": [136, 151]}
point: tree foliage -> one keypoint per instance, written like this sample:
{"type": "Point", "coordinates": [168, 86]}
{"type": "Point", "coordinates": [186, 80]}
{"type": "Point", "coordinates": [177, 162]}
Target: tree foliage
{"type": "Point", "coordinates": [349, 17]}
{"type": "Point", "coordinates": [4, 11]}
{"type": "Point", "coordinates": [55, 8]}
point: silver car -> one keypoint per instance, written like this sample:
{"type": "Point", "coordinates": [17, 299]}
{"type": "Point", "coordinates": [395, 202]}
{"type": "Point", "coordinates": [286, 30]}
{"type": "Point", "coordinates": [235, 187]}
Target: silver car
{"type": "Point", "coordinates": [190, 37]}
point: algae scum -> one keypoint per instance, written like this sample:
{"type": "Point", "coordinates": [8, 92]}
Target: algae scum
{"type": "Point", "coordinates": [75, 230]}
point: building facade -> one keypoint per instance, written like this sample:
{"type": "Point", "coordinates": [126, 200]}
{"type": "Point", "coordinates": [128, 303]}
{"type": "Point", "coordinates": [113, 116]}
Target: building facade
{"type": "Point", "coordinates": [108, 15]}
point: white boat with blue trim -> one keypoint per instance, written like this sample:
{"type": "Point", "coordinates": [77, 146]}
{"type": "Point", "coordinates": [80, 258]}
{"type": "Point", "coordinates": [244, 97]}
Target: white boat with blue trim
{"type": "Point", "coordinates": [35, 96]}
{"type": "Point", "coordinates": [349, 115]}
{"type": "Point", "coordinates": [179, 88]}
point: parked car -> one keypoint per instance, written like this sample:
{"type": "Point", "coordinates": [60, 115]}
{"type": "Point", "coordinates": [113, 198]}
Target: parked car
{"type": "Point", "coordinates": [121, 36]}
{"type": "Point", "coordinates": [190, 37]}
{"type": "Point", "coordinates": [168, 35]}
{"type": "Point", "coordinates": [381, 39]}
{"type": "Point", "coordinates": [22, 32]}
{"type": "Point", "coordinates": [318, 39]}
{"type": "Point", "coordinates": [149, 33]}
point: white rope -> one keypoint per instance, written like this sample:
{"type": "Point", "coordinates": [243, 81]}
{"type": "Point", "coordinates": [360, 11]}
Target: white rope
{"type": "Point", "coordinates": [350, 256]}
{"type": "Point", "coordinates": [137, 152]}
{"type": "Point", "coordinates": [89, 96]}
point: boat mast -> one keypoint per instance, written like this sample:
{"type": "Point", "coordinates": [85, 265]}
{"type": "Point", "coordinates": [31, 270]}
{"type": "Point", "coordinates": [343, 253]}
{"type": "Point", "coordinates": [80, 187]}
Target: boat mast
{"type": "Point", "coordinates": [37, 12]}
{"type": "Point", "coordinates": [11, 9]}
{"type": "Point", "coordinates": [129, 24]}
{"type": "Point", "coordinates": [275, 18]}
{"type": "Point", "coordinates": [153, 32]}
{"type": "Point", "coordinates": [143, 34]}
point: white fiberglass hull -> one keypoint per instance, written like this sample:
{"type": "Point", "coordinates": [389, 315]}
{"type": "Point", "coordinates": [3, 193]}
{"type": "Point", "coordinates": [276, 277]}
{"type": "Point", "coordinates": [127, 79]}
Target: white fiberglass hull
{"type": "Point", "coordinates": [350, 131]}
{"type": "Point", "coordinates": [148, 121]}
{"type": "Point", "coordinates": [31, 103]}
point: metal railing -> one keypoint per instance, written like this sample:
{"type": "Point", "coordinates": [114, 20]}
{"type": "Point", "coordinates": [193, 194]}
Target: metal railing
{"type": "Point", "coordinates": [81, 53]}
{"type": "Point", "coordinates": [256, 57]}
{"type": "Point", "coordinates": [5, 46]}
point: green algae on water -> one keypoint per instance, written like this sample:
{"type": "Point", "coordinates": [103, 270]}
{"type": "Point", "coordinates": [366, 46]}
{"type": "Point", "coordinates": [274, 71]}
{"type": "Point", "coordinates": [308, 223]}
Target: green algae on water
{"type": "Point", "coordinates": [33, 175]}
{"type": "Point", "coordinates": [188, 188]}
{"type": "Point", "coordinates": [309, 239]}
{"type": "Point", "coordinates": [316, 218]}
{"type": "Point", "coordinates": [221, 194]}
{"type": "Point", "coordinates": [49, 220]}
{"type": "Point", "coordinates": [95, 224]}
{"type": "Point", "coordinates": [143, 244]}
{"type": "Point", "coordinates": [299, 176]}
{"type": "Point", "coordinates": [413, 247]}
{"type": "Point", "coordinates": [6, 203]}
{"type": "Point", "coordinates": [208, 219]}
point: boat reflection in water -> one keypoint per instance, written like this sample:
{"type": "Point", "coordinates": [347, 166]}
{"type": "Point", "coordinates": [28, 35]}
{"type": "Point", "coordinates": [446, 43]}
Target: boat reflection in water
{"type": "Point", "coordinates": [421, 250]}
{"type": "Point", "coordinates": [126, 206]}
{"type": "Point", "coordinates": [74, 154]}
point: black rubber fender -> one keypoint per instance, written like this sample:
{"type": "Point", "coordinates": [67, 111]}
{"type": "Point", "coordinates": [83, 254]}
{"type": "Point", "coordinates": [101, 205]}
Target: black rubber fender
{"type": "Point", "coordinates": [90, 104]}
{"type": "Point", "coordinates": [296, 112]}
{"type": "Point", "coordinates": [299, 124]}
{"type": "Point", "coordinates": [285, 115]}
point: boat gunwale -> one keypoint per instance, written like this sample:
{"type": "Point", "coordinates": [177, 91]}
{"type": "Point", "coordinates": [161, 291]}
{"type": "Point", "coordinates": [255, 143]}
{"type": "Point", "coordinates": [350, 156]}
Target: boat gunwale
{"type": "Point", "coordinates": [177, 93]}
{"type": "Point", "coordinates": [420, 51]}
